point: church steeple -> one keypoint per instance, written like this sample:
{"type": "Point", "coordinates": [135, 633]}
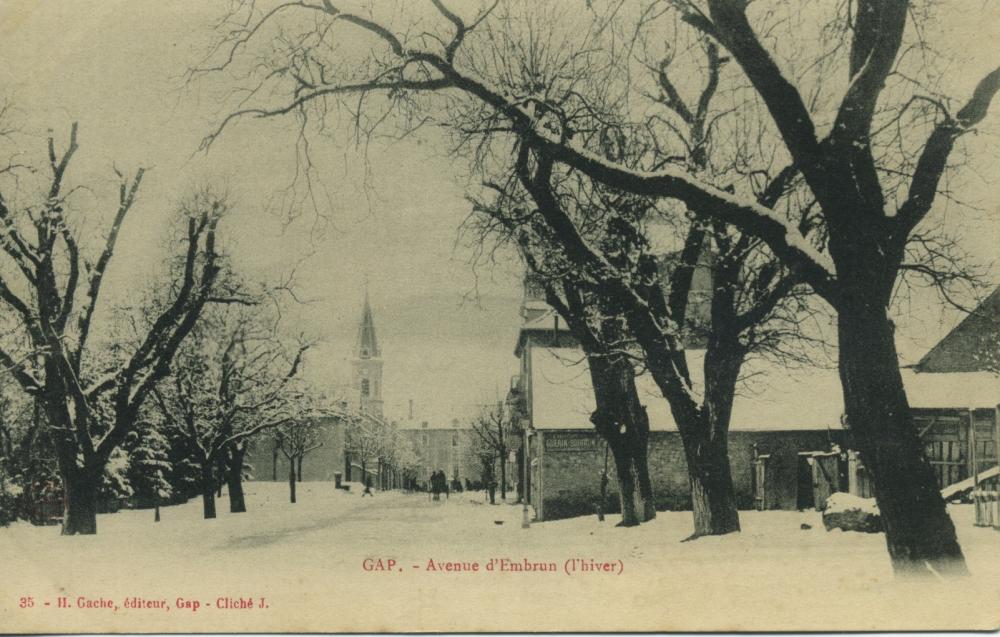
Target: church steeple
{"type": "Point", "coordinates": [367, 346]}
{"type": "Point", "coordinates": [367, 363]}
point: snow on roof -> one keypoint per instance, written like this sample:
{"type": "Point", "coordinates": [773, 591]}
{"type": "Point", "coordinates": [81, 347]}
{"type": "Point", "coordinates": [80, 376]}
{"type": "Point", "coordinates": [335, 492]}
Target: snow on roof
{"type": "Point", "coordinates": [953, 389]}
{"type": "Point", "coordinates": [562, 397]}
{"type": "Point", "coordinates": [771, 398]}
{"type": "Point", "coordinates": [547, 321]}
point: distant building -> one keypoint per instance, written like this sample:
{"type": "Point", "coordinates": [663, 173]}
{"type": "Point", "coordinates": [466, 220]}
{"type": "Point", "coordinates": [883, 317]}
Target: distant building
{"type": "Point", "coordinates": [439, 442]}
{"type": "Point", "coordinates": [441, 447]}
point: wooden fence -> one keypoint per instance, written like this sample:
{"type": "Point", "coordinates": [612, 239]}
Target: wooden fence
{"type": "Point", "coordinates": [984, 456]}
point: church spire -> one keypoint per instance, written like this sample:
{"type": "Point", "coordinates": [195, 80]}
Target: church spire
{"type": "Point", "coordinates": [367, 342]}
{"type": "Point", "coordinates": [367, 363]}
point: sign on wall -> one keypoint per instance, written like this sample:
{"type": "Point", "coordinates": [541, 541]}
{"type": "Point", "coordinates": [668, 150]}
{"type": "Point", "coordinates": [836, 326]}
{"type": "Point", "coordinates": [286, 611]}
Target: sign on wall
{"type": "Point", "coordinates": [576, 441]}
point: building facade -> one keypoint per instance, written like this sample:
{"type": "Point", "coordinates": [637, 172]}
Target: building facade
{"type": "Point", "coordinates": [788, 445]}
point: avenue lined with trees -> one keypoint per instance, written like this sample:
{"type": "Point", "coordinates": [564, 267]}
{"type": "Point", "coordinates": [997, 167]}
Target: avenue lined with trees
{"type": "Point", "coordinates": [858, 166]}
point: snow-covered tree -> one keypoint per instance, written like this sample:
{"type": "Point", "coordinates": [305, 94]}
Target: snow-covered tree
{"type": "Point", "coordinates": [489, 442]}
{"type": "Point", "coordinates": [149, 465]}
{"type": "Point", "coordinates": [864, 129]}
{"type": "Point", "coordinates": [50, 292]}
{"type": "Point", "coordinates": [115, 488]}
{"type": "Point", "coordinates": [236, 377]}
{"type": "Point", "coordinates": [295, 439]}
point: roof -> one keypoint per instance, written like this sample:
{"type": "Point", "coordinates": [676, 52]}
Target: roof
{"type": "Point", "coordinates": [770, 398]}
{"type": "Point", "coordinates": [967, 346]}
{"type": "Point", "coordinates": [549, 322]}
{"type": "Point", "coordinates": [926, 390]}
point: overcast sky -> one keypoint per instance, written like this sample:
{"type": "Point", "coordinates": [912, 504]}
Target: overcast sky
{"type": "Point", "coordinates": [116, 66]}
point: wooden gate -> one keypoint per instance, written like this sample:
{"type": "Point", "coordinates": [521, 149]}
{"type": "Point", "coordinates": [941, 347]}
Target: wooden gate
{"type": "Point", "coordinates": [758, 479]}
{"type": "Point", "coordinates": [945, 437]}
{"type": "Point", "coordinates": [859, 483]}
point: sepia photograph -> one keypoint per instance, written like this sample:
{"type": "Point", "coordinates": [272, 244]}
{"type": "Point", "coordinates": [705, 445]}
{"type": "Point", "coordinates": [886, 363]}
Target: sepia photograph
{"type": "Point", "coordinates": [463, 316]}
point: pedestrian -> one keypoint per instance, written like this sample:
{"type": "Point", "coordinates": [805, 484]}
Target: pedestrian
{"type": "Point", "coordinates": [435, 486]}
{"type": "Point", "coordinates": [368, 488]}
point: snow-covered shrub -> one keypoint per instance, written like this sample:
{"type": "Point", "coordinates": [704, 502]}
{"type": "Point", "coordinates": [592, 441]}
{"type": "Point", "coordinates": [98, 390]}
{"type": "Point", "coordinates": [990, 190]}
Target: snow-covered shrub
{"type": "Point", "coordinates": [115, 488]}
{"type": "Point", "coordinates": [148, 467]}
{"type": "Point", "coordinates": [851, 513]}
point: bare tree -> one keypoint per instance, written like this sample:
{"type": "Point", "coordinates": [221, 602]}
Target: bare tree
{"type": "Point", "coordinates": [867, 226]}
{"type": "Point", "coordinates": [490, 441]}
{"type": "Point", "coordinates": [234, 379]}
{"type": "Point", "coordinates": [295, 439]}
{"type": "Point", "coordinates": [91, 402]}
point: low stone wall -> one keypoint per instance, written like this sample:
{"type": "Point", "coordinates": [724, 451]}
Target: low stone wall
{"type": "Point", "coordinates": [572, 461]}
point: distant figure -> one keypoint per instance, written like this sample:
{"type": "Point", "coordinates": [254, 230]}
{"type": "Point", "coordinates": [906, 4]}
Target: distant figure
{"type": "Point", "coordinates": [436, 485]}
{"type": "Point", "coordinates": [368, 488]}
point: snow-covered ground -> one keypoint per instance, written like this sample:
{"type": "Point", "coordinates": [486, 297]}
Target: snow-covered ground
{"type": "Point", "coordinates": [308, 561]}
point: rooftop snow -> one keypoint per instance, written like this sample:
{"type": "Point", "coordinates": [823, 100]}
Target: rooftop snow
{"type": "Point", "coordinates": [771, 398]}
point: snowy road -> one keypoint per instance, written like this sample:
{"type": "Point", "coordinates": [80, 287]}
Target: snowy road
{"type": "Point", "coordinates": [337, 561]}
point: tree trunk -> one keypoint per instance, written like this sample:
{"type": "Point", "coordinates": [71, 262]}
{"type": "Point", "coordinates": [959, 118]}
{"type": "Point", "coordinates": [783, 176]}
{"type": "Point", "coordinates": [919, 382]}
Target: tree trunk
{"type": "Point", "coordinates": [706, 448]}
{"type": "Point", "coordinates": [298, 463]}
{"type": "Point", "coordinates": [503, 473]}
{"type": "Point", "coordinates": [291, 480]}
{"type": "Point", "coordinates": [80, 505]}
{"type": "Point", "coordinates": [207, 491]}
{"type": "Point", "coordinates": [620, 419]}
{"type": "Point", "coordinates": [521, 497]}
{"type": "Point", "coordinates": [274, 464]}
{"type": "Point", "coordinates": [919, 532]}
{"type": "Point", "coordinates": [234, 480]}
{"type": "Point", "coordinates": [641, 461]}
{"type": "Point", "coordinates": [713, 500]}
{"type": "Point", "coordinates": [626, 483]}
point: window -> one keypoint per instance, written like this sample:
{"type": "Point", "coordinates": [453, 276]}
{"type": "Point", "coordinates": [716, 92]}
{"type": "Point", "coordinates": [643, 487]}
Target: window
{"type": "Point", "coordinates": [364, 353]}
{"type": "Point", "coordinates": [365, 388]}
{"type": "Point", "coordinates": [424, 439]}
{"type": "Point", "coordinates": [454, 441]}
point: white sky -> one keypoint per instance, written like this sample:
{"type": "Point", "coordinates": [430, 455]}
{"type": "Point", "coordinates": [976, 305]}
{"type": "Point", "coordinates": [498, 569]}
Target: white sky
{"type": "Point", "coordinates": [115, 67]}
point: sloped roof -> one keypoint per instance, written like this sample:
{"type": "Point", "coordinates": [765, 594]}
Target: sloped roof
{"type": "Point", "coordinates": [771, 398]}
{"type": "Point", "coordinates": [962, 349]}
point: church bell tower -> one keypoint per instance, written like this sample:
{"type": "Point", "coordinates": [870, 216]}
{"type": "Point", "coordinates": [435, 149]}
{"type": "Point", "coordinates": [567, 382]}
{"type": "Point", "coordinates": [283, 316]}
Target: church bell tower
{"type": "Point", "coordinates": [367, 364]}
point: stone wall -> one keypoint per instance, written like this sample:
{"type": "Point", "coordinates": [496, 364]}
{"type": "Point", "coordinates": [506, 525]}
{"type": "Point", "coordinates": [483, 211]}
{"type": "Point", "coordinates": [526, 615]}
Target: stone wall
{"type": "Point", "coordinates": [571, 462]}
